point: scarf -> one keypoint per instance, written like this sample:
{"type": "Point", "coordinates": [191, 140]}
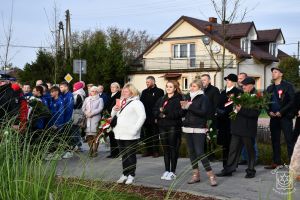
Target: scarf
{"type": "Point", "coordinates": [194, 94]}
{"type": "Point", "coordinates": [80, 92]}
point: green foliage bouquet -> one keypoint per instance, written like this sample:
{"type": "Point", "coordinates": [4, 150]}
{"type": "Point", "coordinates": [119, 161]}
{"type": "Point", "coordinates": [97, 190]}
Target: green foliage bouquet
{"type": "Point", "coordinates": [250, 101]}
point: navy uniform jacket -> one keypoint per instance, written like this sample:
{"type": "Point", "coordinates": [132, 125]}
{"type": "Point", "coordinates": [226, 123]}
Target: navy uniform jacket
{"type": "Point", "coordinates": [68, 101]}
{"type": "Point", "coordinates": [57, 111]}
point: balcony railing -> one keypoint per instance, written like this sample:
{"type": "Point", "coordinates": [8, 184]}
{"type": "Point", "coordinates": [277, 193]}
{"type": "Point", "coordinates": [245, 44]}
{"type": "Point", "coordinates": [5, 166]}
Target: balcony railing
{"type": "Point", "coordinates": [184, 63]}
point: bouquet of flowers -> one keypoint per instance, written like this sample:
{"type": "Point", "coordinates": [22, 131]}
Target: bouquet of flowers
{"type": "Point", "coordinates": [103, 128]}
{"type": "Point", "coordinates": [250, 101]}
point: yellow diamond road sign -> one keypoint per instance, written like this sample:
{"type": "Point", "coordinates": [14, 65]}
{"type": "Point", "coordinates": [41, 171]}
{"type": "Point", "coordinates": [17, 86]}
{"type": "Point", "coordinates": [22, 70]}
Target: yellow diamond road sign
{"type": "Point", "coordinates": [68, 78]}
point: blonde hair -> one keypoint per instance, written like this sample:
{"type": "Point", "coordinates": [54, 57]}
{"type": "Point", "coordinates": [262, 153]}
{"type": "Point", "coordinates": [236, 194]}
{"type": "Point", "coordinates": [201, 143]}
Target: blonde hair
{"type": "Point", "coordinates": [117, 85]}
{"type": "Point", "coordinates": [198, 82]}
{"type": "Point", "coordinates": [132, 89]}
{"type": "Point", "coordinates": [94, 88]}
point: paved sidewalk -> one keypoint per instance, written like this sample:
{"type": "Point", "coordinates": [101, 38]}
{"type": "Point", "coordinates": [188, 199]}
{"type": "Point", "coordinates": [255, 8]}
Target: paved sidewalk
{"type": "Point", "coordinates": [150, 169]}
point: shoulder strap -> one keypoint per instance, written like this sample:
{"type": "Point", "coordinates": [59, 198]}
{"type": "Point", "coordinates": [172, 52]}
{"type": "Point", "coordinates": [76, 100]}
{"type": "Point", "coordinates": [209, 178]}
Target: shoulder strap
{"type": "Point", "coordinates": [125, 106]}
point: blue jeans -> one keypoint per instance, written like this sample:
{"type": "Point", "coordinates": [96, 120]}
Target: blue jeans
{"type": "Point", "coordinates": [244, 152]}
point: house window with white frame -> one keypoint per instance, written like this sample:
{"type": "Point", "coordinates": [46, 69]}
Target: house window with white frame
{"type": "Point", "coordinates": [188, 51]}
{"type": "Point", "coordinates": [184, 50]}
{"type": "Point", "coordinates": [273, 50]}
{"type": "Point", "coordinates": [245, 45]}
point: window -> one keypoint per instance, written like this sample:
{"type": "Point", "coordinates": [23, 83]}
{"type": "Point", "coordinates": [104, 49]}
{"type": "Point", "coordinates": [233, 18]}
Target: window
{"type": "Point", "coordinates": [184, 51]}
{"type": "Point", "coordinates": [185, 84]}
{"type": "Point", "coordinates": [273, 49]}
{"type": "Point", "coordinates": [245, 45]}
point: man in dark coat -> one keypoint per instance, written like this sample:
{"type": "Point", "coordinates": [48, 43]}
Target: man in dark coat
{"type": "Point", "coordinates": [9, 105]}
{"type": "Point", "coordinates": [151, 137]}
{"type": "Point", "coordinates": [282, 112]}
{"type": "Point", "coordinates": [243, 130]}
{"type": "Point", "coordinates": [224, 109]}
{"type": "Point", "coordinates": [213, 95]}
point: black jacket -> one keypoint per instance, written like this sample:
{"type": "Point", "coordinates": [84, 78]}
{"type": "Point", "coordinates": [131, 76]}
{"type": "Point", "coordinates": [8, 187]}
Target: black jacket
{"type": "Point", "coordinates": [197, 113]}
{"type": "Point", "coordinates": [223, 120]}
{"type": "Point", "coordinates": [287, 106]}
{"type": "Point", "coordinates": [245, 123]}
{"type": "Point", "coordinates": [112, 101]}
{"type": "Point", "coordinates": [172, 111]}
{"type": "Point", "coordinates": [9, 102]}
{"type": "Point", "coordinates": [297, 102]}
{"type": "Point", "coordinates": [149, 97]}
{"type": "Point", "coordinates": [213, 95]}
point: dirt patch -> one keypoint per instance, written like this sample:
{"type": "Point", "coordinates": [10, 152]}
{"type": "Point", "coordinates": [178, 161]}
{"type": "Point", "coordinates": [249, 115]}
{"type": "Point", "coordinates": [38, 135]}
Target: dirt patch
{"type": "Point", "coordinates": [143, 192]}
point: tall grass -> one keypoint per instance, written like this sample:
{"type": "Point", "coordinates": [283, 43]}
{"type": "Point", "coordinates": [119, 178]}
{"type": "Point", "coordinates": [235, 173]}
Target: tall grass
{"type": "Point", "coordinates": [25, 175]}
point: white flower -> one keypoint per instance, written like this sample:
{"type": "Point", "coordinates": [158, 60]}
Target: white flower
{"type": "Point", "coordinates": [5, 133]}
{"type": "Point", "coordinates": [210, 129]}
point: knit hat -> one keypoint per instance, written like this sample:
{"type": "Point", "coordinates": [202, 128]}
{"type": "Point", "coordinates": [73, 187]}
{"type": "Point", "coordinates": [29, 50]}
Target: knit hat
{"type": "Point", "coordinates": [15, 86]}
{"type": "Point", "coordinates": [77, 86]}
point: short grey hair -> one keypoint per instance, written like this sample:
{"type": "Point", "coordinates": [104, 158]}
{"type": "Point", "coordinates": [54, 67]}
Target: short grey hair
{"type": "Point", "coordinates": [151, 78]}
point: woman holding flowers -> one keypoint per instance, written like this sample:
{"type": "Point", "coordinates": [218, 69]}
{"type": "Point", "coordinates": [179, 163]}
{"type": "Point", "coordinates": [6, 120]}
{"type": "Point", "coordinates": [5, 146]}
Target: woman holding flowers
{"type": "Point", "coordinates": [92, 108]}
{"type": "Point", "coordinates": [224, 109]}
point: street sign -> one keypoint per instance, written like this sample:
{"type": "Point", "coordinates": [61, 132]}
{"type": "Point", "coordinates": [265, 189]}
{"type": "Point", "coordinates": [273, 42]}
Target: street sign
{"type": "Point", "coordinates": [68, 78]}
{"type": "Point", "coordinates": [77, 64]}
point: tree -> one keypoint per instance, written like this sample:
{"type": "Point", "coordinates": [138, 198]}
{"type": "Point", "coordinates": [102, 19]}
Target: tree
{"type": "Point", "coordinates": [42, 68]}
{"type": "Point", "coordinates": [290, 66]}
{"type": "Point", "coordinates": [227, 11]}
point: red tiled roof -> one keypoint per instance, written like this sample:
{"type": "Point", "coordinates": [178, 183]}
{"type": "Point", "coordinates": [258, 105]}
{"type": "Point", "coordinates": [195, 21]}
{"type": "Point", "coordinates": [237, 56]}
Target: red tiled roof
{"type": "Point", "coordinates": [261, 54]}
{"type": "Point", "coordinates": [268, 35]}
{"type": "Point", "coordinates": [236, 30]}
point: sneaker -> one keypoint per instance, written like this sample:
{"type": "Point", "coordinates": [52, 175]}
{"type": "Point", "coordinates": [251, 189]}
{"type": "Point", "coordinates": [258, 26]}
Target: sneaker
{"type": "Point", "coordinates": [49, 156]}
{"type": "Point", "coordinates": [68, 155]}
{"type": "Point", "coordinates": [122, 179]}
{"type": "Point", "coordinates": [164, 176]}
{"type": "Point", "coordinates": [171, 176]}
{"type": "Point", "coordinates": [129, 180]}
{"type": "Point", "coordinates": [52, 156]}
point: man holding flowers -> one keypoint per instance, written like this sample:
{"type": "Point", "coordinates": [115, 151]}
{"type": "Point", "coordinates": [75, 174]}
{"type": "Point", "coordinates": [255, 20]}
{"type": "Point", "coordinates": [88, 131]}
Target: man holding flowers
{"type": "Point", "coordinates": [243, 128]}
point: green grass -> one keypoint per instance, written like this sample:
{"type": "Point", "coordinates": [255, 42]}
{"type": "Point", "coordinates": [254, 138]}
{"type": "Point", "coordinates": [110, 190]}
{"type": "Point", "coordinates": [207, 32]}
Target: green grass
{"type": "Point", "coordinates": [25, 175]}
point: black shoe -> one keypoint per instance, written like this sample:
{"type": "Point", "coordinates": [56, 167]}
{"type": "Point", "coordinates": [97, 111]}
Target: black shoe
{"type": "Point", "coordinates": [223, 173]}
{"type": "Point", "coordinates": [243, 162]}
{"type": "Point", "coordinates": [250, 173]}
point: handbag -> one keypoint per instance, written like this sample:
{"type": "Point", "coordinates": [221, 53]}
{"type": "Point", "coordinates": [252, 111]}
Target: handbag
{"type": "Point", "coordinates": [114, 120]}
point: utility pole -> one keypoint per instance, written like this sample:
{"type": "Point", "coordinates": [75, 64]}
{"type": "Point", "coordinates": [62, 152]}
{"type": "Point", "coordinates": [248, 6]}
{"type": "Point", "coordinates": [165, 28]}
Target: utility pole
{"type": "Point", "coordinates": [298, 50]}
{"type": "Point", "coordinates": [68, 41]}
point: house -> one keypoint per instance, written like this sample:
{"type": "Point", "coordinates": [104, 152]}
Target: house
{"type": "Point", "coordinates": [191, 47]}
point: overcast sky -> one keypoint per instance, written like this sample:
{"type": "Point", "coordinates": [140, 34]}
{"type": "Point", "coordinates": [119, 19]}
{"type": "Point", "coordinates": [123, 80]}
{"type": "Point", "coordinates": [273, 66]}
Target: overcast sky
{"type": "Point", "coordinates": [31, 19]}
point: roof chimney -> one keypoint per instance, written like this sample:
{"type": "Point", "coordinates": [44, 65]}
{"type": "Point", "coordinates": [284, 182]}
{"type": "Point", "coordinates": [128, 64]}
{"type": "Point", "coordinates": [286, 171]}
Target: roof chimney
{"type": "Point", "coordinates": [213, 20]}
{"type": "Point", "coordinates": [209, 27]}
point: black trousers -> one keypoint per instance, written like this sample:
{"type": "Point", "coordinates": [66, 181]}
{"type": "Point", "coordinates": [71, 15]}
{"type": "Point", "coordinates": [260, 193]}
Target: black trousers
{"type": "Point", "coordinates": [224, 139]}
{"type": "Point", "coordinates": [170, 138]}
{"type": "Point", "coordinates": [286, 126]}
{"type": "Point", "coordinates": [151, 138]}
{"type": "Point", "coordinates": [235, 149]}
{"type": "Point", "coordinates": [196, 142]}
{"type": "Point", "coordinates": [114, 150]}
{"type": "Point", "coordinates": [128, 150]}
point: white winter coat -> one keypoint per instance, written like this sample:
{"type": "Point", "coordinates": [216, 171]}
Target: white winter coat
{"type": "Point", "coordinates": [93, 105]}
{"type": "Point", "coordinates": [130, 120]}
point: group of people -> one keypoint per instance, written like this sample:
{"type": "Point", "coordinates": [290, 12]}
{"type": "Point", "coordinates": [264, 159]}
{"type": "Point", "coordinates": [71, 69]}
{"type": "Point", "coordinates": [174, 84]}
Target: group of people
{"type": "Point", "coordinates": [160, 119]}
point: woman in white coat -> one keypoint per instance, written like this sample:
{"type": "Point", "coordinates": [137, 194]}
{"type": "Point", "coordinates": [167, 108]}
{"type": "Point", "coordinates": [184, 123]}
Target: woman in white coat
{"type": "Point", "coordinates": [131, 116]}
{"type": "Point", "coordinates": [92, 108]}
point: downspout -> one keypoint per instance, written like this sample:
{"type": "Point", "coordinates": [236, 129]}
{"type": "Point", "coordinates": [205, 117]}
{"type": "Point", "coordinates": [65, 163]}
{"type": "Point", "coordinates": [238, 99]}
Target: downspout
{"type": "Point", "coordinates": [265, 75]}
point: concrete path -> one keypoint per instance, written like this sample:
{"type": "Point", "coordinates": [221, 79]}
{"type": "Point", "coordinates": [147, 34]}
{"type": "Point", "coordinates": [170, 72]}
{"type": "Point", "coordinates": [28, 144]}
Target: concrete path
{"type": "Point", "coordinates": [150, 169]}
